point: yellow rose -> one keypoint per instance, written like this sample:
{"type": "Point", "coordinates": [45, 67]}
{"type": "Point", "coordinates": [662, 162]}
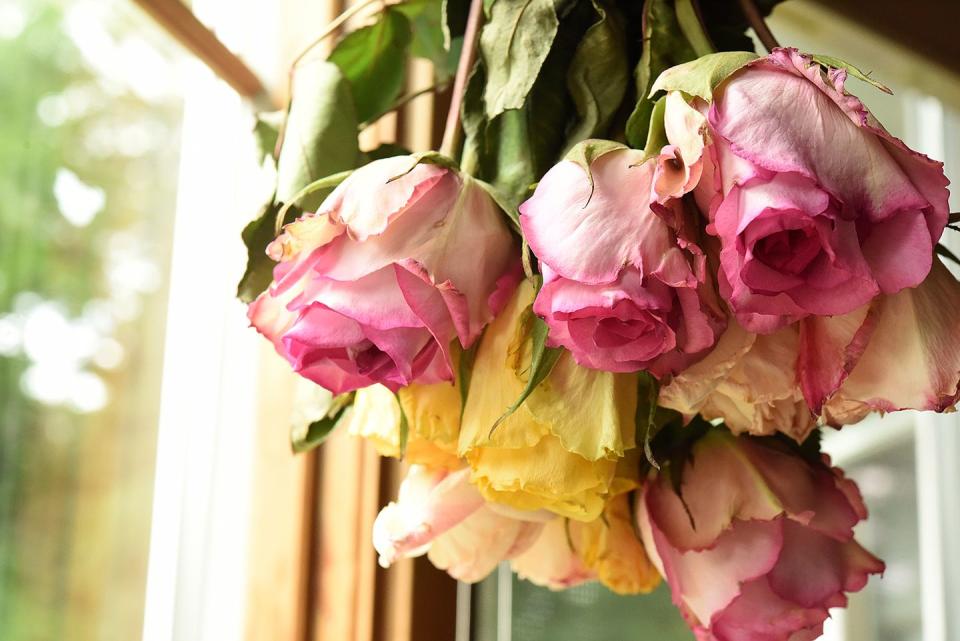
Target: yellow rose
{"type": "Point", "coordinates": [433, 417]}
{"type": "Point", "coordinates": [610, 547]}
{"type": "Point", "coordinates": [559, 451]}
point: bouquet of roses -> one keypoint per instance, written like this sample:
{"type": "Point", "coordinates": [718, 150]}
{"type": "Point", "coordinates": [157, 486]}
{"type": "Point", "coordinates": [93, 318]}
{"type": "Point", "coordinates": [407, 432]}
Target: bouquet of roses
{"type": "Point", "coordinates": [607, 332]}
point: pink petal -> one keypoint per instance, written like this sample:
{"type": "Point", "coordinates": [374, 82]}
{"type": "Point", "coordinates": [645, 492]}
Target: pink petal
{"type": "Point", "coordinates": [373, 195]}
{"type": "Point", "coordinates": [913, 358]}
{"type": "Point", "coordinates": [589, 234]}
{"type": "Point", "coordinates": [432, 240]}
{"type": "Point", "coordinates": [717, 489]}
{"type": "Point", "coordinates": [749, 114]}
{"type": "Point", "coordinates": [269, 315]}
{"type": "Point", "coordinates": [550, 561]}
{"type": "Point", "coordinates": [375, 300]}
{"type": "Point", "coordinates": [758, 614]}
{"type": "Point", "coordinates": [471, 550]}
{"type": "Point", "coordinates": [685, 128]}
{"type": "Point", "coordinates": [430, 503]}
{"type": "Point", "coordinates": [899, 252]}
{"type": "Point", "coordinates": [830, 347]}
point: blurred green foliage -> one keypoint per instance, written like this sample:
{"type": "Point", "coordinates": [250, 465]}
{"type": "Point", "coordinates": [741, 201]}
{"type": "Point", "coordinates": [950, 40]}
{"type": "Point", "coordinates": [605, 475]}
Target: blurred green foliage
{"type": "Point", "coordinates": [76, 475]}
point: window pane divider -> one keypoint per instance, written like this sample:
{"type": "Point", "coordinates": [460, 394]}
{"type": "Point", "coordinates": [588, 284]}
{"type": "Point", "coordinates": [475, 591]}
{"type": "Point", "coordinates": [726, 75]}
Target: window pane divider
{"type": "Point", "coordinates": [181, 23]}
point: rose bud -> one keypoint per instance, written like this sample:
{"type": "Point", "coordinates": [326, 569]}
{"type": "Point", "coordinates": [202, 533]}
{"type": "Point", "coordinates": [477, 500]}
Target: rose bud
{"type": "Point", "coordinates": [818, 208]}
{"type": "Point", "coordinates": [758, 545]}
{"type": "Point", "coordinates": [624, 286]}
{"type": "Point", "coordinates": [441, 514]}
{"type": "Point", "coordinates": [374, 286]}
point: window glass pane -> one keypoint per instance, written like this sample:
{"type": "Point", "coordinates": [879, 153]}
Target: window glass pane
{"type": "Point", "coordinates": [589, 612]}
{"type": "Point", "coordinates": [888, 609]}
{"type": "Point", "coordinates": [89, 144]}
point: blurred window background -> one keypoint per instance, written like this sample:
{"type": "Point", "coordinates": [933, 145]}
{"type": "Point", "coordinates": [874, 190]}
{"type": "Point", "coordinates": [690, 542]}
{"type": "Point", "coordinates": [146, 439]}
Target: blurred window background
{"type": "Point", "coordinates": [89, 150]}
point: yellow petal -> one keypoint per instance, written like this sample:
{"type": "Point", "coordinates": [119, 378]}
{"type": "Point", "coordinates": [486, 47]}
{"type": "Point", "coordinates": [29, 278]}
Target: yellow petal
{"type": "Point", "coordinates": [544, 476]}
{"type": "Point", "coordinates": [611, 548]}
{"type": "Point", "coordinates": [593, 413]}
{"type": "Point", "coordinates": [433, 411]}
{"type": "Point", "coordinates": [433, 425]}
{"type": "Point", "coordinates": [375, 416]}
{"type": "Point", "coordinates": [559, 450]}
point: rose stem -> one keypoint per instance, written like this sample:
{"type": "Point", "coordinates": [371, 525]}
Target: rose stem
{"type": "Point", "coordinates": [453, 132]}
{"type": "Point", "coordinates": [759, 25]}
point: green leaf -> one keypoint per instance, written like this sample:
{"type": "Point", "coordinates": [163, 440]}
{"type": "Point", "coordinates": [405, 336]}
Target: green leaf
{"type": "Point", "coordinates": [305, 437]}
{"type": "Point", "coordinates": [427, 20]}
{"type": "Point", "coordinates": [385, 150]}
{"type": "Point", "coordinates": [542, 360]}
{"type": "Point", "coordinates": [837, 63]}
{"type": "Point", "coordinates": [598, 76]}
{"type": "Point", "coordinates": [648, 391]}
{"type": "Point", "coordinates": [657, 133]}
{"type": "Point", "coordinates": [660, 431]}
{"type": "Point", "coordinates": [692, 28]}
{"type": "Point", "coordinates": [256, 236]}
{"type": "Point", "coordinates": [701, 76]}
{"type": "Point", "coordinates": [474, 121]}
{"type": "Point", "coordinates": [428, 158]}
{"type": "Point", "coordinates": [453, 24]}
{"type": "Point", "coordinates": [266, 131]}
{"type": "Point", "coordinates": [465, 371]}
{"type": "Point", "coordinates": [404, 428]}
{"type": "Point", "coordinates": [664, 46]}
{"type": "Point", "coordinates": [373, 59]}
{"type": "Point", "coordinates": [513, 150]}
{"type": "Point", "coordinates": [320, 137]}
{"type": "Point", "coordinates": [435, 158]}
{"type": "Point", "coordinates": [322, 186]}
{"type": "Point", "coordinates": [514, 44]}
{"type": "Point", "coordinates": [586, 151]}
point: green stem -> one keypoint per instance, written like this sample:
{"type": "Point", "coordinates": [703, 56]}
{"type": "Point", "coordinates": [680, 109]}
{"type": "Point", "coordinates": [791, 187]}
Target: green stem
{"type": "Point", "coordinates": [759, 25]}
{"type": "Point", "coordinates": [691, 24]}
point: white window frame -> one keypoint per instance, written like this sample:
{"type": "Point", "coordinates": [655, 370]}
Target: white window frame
{"type": "Point", "coordinates": [197, 577]}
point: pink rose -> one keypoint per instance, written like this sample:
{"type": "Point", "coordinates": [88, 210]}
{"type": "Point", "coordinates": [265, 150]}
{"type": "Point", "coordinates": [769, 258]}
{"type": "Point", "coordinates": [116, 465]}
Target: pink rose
{"type": "Point", "coordinates": [624, 288]}
{"type": "Point", "coordinates": [441, 514]}
{"type": "Point", "coordinates": [818, 209]}
{"type": "Point", "coordinates": [374, 286]}
{"type": "Point", "coordinates": [761, 544]}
